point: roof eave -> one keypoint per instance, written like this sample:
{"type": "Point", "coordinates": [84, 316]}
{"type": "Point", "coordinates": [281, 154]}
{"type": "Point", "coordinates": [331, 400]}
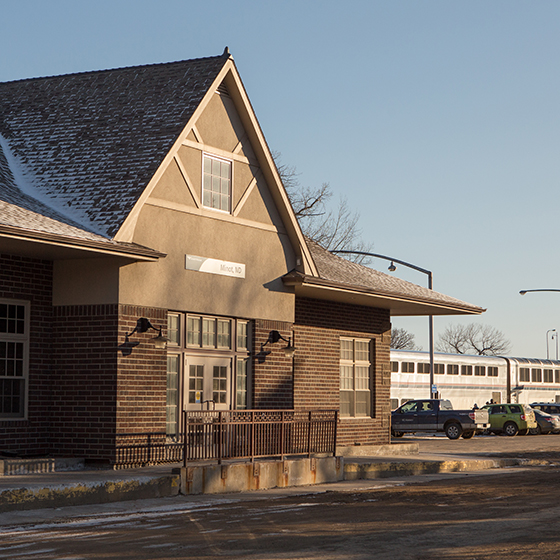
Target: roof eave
{"type": "Point", "coordinates": [134, 252]}
{"type": "Point", "coordinates": [397, 304]}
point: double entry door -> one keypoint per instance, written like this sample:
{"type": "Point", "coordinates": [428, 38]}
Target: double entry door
{"type": "Point", "coordinates": [208, 383]}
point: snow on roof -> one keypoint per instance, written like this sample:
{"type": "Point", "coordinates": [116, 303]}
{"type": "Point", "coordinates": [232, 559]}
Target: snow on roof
{"type": "Point", "coordinates": [81, 148]}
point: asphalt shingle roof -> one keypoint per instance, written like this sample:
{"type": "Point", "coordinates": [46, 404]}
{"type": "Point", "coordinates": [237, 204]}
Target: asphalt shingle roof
{"type": "Point", "coordinates": [338, 271]}
{"type": "Point", "coordinates": [87, 144]}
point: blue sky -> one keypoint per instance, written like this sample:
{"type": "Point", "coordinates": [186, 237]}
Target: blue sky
{"type": "Point", "coordinates": [437, 120]}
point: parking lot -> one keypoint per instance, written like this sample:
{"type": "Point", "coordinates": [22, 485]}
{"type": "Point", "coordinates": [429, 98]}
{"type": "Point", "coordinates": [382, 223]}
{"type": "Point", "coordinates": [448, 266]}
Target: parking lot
{"type": "Point", "coordinates": [528, 446]}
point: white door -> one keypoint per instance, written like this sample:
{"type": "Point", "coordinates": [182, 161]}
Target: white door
{"type": "Point", "coordinates": [208, 383]}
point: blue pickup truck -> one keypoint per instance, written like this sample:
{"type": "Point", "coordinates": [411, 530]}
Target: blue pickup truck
{"type": "Point", "coordinates": [435, 415]}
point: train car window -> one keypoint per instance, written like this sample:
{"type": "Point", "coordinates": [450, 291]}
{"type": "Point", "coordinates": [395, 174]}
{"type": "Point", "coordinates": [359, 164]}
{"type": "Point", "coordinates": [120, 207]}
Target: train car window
{"type": "Point", "coordinates": [452, 369]}
{"type": "Point", "coordinates": [394, 367]}
{"type": "Point", "coordinates": [557, 376]}
{"type": "Point", "coordinates": [466, 370]}
{"type": "Point", "coordinates": [480, 370]}
{"type": "Point", "coordinates": [407, 367]}
{"type": "Point", "coordinates": [524, 374]}
{"type": "Point", "coordinates": [492, 371]}
{"type": "Point", "coordinates": [536, 375]}
{"type": "Point", "coordinates": [439, 368]}
{"type": "Point", "coordinates": [394, 404]}
{"type": "Point", "coordinates": [423, 367]}
{"type": "Point", "coordinates": [548, 375]}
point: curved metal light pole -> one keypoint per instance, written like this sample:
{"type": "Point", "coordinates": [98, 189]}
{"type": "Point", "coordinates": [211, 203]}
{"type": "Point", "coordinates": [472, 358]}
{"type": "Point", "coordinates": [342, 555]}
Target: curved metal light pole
{"type": "Point", "coordinates": [523, 292]}
{"type": "Point", "coordinates": [392, 268]}
{"type": "Point", "coordinates": [549, 330]}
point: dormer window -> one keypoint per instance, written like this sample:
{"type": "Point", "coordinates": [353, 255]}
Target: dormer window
{"type": "Point", "coordinates": [216, 183]}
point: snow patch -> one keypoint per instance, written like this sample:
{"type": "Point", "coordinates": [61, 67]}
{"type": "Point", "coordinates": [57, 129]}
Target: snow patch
{"type": "Point", "coordinates": [27, 183]}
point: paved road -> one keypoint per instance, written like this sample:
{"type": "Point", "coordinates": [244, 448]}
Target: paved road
{"type": "Point", "coordinates": [499, 515]}
{"type": "Point", "coordinates": [491, 516]}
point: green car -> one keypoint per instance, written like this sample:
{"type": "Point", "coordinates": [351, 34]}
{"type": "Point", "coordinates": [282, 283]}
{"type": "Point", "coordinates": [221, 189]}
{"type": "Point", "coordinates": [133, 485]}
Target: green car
{"type": "Point", "coordinates": [510, 419]}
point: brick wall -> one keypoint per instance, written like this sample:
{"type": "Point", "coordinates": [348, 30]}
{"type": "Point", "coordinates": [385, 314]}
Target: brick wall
{"type": "Point", "coordinates": [318, 328]}
{"type": "Point", "coordinates": [272, 370]}
{"type": "Point", "coordinates": [84, 379]}
{"type": "Point", "coordinates": [142, 373]}
{"type": "Point", "coordinates": [30, 279]}
{"type": "Point", "coordinates": [104, 384]}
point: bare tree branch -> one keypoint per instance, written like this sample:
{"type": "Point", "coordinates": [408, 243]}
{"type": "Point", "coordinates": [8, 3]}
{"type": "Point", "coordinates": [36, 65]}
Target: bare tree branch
{"type": "Point", "coordinates": [473, 338]}
{"type": "Point", "coordinates": [401, 339]}
{"type": "Point", "coordinates": [332, 228]}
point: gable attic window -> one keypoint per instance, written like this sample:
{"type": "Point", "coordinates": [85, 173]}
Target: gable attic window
{"type": "Point", "coordinates": [216, 183]}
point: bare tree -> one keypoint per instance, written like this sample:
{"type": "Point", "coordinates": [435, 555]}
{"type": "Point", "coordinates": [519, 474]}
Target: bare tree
{"type": "Point", "coordinates": [473, 338]}
{"type": "Point", "coordinates": [401, 339]}
{"type": "Point", "coordinates": [332, 228]}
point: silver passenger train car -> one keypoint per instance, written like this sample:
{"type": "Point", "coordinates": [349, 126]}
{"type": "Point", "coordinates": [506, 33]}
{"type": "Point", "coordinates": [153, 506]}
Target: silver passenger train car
{"type": "Point", "coordinates": [466, 380]}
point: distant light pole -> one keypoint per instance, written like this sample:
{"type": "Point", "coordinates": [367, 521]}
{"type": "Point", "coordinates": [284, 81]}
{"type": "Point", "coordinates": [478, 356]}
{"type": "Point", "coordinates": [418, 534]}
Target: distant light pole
{"type": "Point", "coordinates": [392, 268]}
{"type": "Point", "coordinates": [550, 330]}
{"type": "Point", "coordinates": [523, 292]}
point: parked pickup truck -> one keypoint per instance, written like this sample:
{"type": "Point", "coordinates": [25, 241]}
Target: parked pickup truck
{"type": "Point", "coordinates": [432, 415]}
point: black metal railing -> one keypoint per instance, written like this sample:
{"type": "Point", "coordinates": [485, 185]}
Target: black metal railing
{"type": "Point", "coordinates": [143, 449]}
{"type": "Point", "coordinates": [233, 434]}
{"type": "Point", "coordinates": [251, 434]}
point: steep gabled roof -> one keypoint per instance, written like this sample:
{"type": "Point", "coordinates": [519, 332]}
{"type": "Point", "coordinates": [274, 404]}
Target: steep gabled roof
{"type": "Point", "coordinates": [341, 280]}
{"type": "Point", "coordinates": [84, 146]}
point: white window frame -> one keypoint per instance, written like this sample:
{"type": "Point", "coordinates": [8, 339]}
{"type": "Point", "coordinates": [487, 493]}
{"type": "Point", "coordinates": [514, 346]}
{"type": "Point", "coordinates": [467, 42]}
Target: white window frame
{"type": "Point", "coordinates": [355, 365]}
{"type": "Point", "coordinates": [22, 338]}
{"type": "Point", "coordinates": [239, 352]}
{"type": "Point", "coordinates": [207, 156]}
{"type": "Point", "coordinates": [173, 406]}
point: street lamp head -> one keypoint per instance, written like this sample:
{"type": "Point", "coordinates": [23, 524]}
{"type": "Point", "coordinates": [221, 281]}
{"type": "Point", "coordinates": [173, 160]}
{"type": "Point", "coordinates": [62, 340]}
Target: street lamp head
{"type": "Point", "coordinates": [523, 292]}
{"type": "Point", "coordinates": [392, 267]}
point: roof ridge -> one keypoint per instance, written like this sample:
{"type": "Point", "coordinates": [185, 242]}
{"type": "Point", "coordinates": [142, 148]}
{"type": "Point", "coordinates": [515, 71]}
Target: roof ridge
{"type": "Point", "coordinates": [119, 68]}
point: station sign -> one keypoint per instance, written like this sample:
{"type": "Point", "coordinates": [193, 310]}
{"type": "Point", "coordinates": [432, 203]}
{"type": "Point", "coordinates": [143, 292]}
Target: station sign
{"type": "Point", "coordinates": [214, 266]}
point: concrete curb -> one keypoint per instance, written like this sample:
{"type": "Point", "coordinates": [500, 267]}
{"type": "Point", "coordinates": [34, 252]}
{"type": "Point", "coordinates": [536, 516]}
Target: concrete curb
{"type": "Point", "coordinates": [370, 471]}
{"type": "Point", "coordinates": [87, 493]}
{"type": "Point", "coordinates": [100, 487]}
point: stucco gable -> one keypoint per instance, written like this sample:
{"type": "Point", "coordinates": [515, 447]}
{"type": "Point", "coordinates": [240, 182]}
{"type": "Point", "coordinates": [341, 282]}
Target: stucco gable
{"type": "Point", "coordinates": [92, 147]}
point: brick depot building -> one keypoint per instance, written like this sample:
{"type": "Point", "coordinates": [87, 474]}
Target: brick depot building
{"type": "Point", "coordinates": [144, 201]}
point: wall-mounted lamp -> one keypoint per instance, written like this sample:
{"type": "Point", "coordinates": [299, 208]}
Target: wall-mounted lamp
{"type": "Point", "coordinates": [143, 325]}
{"type": "Point", "coordinates": [275, 336]}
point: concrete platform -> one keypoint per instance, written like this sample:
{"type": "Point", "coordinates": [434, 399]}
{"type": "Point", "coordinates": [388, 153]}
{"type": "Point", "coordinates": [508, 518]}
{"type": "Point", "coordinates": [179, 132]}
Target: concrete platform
{"type": "Point", "coordinates": [72, 488]}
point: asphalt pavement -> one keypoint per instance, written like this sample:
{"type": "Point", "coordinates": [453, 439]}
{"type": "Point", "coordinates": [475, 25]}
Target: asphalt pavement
{"type": "Point", "coordinates": [24, 496]}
